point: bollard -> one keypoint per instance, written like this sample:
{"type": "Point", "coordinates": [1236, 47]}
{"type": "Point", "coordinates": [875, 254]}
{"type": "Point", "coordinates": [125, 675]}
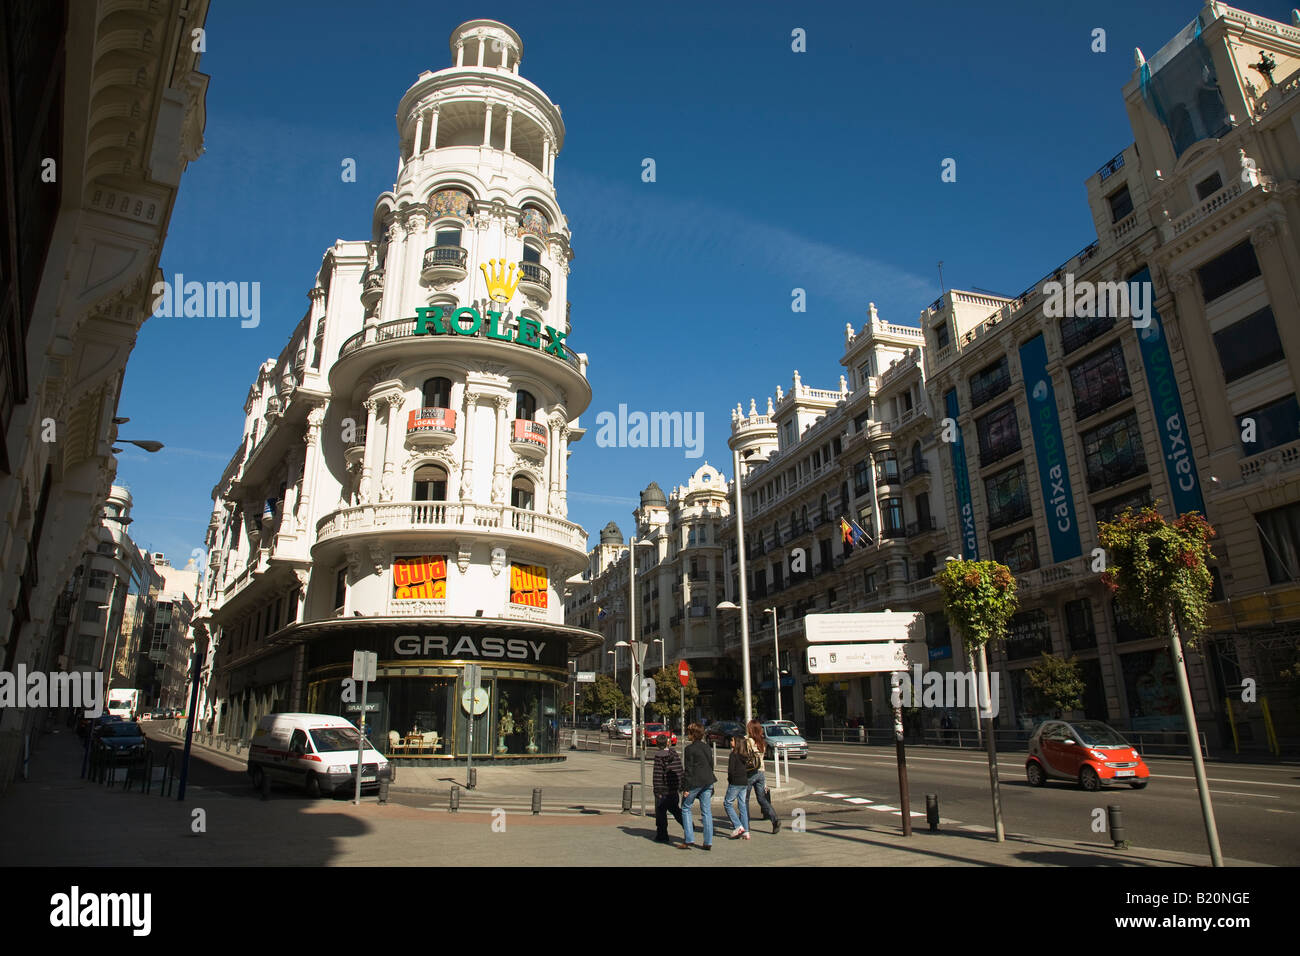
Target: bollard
{"type": "Point", "coordinates": [574, 745]}
{"type": "Point", "coordinates": [932, 811]}
{"type": "Point", "coordinates": [383, 789]}
{"type": "Point", "coordinates": [627, 798]}
{"type": "Point", "coordinates": [454, 805]}
{"type": "Point", "coordinates": [1116, 821]}
{"type": "Point", "coordinates": [472, 782]}
{"type": "Point", "coordinates": [537, 800]}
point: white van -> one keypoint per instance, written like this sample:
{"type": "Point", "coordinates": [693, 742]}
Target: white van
{"type": "Point", "coordinates": [314, 751]}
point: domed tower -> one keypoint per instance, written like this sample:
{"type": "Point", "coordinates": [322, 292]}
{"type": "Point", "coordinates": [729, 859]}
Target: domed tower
{"type": "Point", "coordinates": [653, 512]}
{"type": "Point", "coordinates": [432, 492]}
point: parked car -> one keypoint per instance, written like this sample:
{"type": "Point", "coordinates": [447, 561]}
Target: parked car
{"type": "Point", "coordinates": [622, 728]}
{"type": "Point", "coordinates": [120, 741]}
{"type": "Point", "coordinates": [1087, 752]}
{"type": "Point", "coordinates": [608, 726]}
{"type": "Point", "coordinates": [86, 726]}
{"type": "Point", "coordinates": [144, 715]}
{"type": "Point", "coordinates": [654, 731]}
{"type": "Point", "coordinates": [781, 737]}
{"type": "Point", "coordinates": [720, 732]}
{"type": "Point", "coordinates": [317, 752]}
{"type": "Point", "coordinates": [788, 724]}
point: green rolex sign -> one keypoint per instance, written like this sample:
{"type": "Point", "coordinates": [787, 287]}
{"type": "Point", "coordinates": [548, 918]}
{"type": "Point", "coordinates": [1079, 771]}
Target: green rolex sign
{"type": "Point", "coordinates": [434, 320]}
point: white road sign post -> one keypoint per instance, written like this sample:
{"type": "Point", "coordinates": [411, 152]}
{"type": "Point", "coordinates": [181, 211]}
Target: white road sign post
{"type": "Point", "coordinates": [364, 668]}
{"type": "Point", "coordinates": [473, 677]}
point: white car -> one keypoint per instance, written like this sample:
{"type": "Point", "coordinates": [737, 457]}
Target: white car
{"type": "Point", "coordinates": [621, 728]}
{"type": "Point", "coordinates": [780, 737]}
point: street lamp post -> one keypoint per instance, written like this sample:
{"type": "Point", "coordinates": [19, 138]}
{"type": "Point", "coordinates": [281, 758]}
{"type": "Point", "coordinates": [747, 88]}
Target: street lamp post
{"type": "Point", "coordinates": [663, 651]}
{"type": "Point", "coordinates": [776, 654]}
{"type": "Point", "coordinates": [614, 654]}
{"type": "Point", "coordinates": [743, 607]}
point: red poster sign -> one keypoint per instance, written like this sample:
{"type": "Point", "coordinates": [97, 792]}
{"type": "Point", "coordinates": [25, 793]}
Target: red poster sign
{"type": "Point", "coordinates": [431, 420]}
{"type": "Point", "coordinates": [684, 672]}
{"type": "Point", "coordinates": [532, 432]}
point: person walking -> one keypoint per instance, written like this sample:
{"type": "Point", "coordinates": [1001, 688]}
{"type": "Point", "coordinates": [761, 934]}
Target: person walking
{"type": "Point", "coordinates": [697, 784]}
{"type": "Point", "coordinates": [668, 787]}
{"type": "Point", "coordinates": [737, 789]}
{"type": "Point", "coordinates": [755, 752]}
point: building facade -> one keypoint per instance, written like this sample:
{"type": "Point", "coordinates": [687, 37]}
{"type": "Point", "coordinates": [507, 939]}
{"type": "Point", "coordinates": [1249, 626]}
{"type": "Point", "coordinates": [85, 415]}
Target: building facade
{"type": "Point", "coordinates": [102, 107]}
{"type": "Point", "coordinates": [400, 487]}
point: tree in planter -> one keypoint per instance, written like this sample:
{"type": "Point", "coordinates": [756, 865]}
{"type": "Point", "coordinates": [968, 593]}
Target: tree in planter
{"type": "Point", "coordinates": [979, 599]}
{"type": "Point", "coordinates": [1058, 686]}
{"type": "Point", "coordinates": [669, 693]}
{"type": "Point", "coordinates": [605, 697]}
{"type": "Point", "coordinates": [1159, 574]}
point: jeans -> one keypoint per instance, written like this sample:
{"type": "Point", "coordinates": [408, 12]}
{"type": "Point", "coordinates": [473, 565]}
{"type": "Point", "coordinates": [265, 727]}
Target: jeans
{"type": "Point", "coordinates": [758, 786]}
{"type": "Point", "coordinates": [705, 796]}
{"type": "Point", "coordinates": [666, 803]}
{"type": "Point", "coordinates": [737, 794]}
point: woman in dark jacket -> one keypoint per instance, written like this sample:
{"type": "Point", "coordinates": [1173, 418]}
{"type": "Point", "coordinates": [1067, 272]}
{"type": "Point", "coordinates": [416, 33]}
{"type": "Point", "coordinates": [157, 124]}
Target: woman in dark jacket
{"type": "Point", "coordinates": [737, 789]}
{"type": "Point", "coordinates": [697, 783]}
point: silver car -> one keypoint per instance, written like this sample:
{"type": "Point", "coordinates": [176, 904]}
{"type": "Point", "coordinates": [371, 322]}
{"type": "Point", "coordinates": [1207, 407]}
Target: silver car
{"type": "Point", "coordinates": [780, 737]}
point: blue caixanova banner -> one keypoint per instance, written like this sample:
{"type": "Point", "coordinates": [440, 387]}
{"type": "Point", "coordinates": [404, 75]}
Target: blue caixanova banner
{"type": "Point", "coordinates": [970, 544]}
{"type": "Point", "coordinates": [1053, 472]}
{"type": "Point", "coordinates": [1184, 483]}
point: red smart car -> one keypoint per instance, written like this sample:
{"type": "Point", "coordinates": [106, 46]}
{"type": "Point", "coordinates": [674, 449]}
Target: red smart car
{"type": "Point", "coordinates": [1087, 752]}
{"type": "Point", "coordinates": [654, 731]}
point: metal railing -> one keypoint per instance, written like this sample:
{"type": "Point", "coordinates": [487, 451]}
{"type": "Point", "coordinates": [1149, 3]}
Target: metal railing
{"type": "Point", "coordinates": [449, 256]}
{"type": "Point", "coordinates": [536, 274]}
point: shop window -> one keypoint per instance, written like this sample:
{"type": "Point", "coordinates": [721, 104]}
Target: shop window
{"type": "Point", "coordinates": [1007, 494]}
{"type": "Point", "coordinates": [1028, 635]}
{"type": "Point", "coordinates": [1276, 423]}
{"type": "Point", "coordinates": [1019, 552]}
{"type": "Point", "coordinates": [1099, 381]}
{"type": "Point", "coordinates": [1121, 203]}
{"type": "Point", "coordinates": [998, 433]}
{"type": "Point", "coordinates": [1234, 268]}
{"type": "Point", "coordinates": [1249, 345]}
{"type": "Point", "coordinates": [1279, 537]}
{"type": "Point", "coordinates": [430, 484]}
{"type": "Point", "coordinates": [989, 382]}
{"type": "Point", "coordinates": [1079, 630]}
{"type": "Point", "coordinates": [1113, 452]}
{"type": "Point", "coordinates": [436, 393]}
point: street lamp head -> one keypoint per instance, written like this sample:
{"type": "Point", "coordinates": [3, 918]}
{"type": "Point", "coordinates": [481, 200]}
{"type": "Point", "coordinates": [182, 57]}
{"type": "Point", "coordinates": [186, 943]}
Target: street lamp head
{"type": "Point", "coordinates": [622, 644]}
{"type": "Point", "coordinates": [147, 444]}
{"type": "Point", "coordinates": [728, 606]}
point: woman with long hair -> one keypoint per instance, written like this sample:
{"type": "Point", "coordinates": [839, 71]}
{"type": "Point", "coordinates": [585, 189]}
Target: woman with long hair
{"type": "Point", "coordinates": [756, 751]}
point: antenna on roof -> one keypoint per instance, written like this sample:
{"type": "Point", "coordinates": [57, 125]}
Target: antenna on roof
{"type": "Point", "coordinates": [942, 290]}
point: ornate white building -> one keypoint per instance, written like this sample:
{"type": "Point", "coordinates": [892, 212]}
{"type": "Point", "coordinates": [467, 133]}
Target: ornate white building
{"type": "Point", "coordinates": [401, 484]}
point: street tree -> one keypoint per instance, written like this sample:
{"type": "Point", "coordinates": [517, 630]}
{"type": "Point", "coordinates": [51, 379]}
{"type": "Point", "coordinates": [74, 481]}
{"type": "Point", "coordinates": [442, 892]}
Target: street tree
{"type": "Point", "coordinates": [979, 600]}
{"type": "Point", "coordinates": [740, 703]}
{"type": "Point", "coordinates": [1159, 573]}
{"type": "Point", "coordinates": [1057, 683]}
{"type": "Point", "coordinates": [669, 693]}
{"type": "Point", "coordinates": [605, 697]}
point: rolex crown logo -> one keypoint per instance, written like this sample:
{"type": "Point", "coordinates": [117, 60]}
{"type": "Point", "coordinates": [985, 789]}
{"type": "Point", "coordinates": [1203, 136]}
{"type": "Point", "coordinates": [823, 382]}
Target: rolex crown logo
{"type": "Point", "coordinates": [500, 285]}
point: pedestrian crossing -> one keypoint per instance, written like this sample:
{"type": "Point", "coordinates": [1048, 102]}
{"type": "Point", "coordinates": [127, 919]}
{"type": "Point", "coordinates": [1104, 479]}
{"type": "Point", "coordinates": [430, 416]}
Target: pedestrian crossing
{"type": "Point", "coordinates": [867, 804]}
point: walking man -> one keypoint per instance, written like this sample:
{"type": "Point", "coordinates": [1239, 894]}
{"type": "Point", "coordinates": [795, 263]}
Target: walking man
{"type": "Point", "coordinates": [667, 786]}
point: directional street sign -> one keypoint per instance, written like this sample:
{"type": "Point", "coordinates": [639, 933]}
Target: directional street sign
{"type": "Point", "coordinates": [873, 658]}
{"type": "Point", "coordinates": [903, 627]}
{"type": "Point", "coordinates": [586, 677]}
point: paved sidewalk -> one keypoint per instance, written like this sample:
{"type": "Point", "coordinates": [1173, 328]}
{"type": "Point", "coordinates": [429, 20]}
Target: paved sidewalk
{"type": "Point", "coordinates": [57, 819]}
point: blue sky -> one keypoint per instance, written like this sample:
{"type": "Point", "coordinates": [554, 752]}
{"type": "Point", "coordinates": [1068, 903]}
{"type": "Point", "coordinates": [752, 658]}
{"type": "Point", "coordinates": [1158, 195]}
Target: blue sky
{"type": "Point", "coordinates": [774, 170]}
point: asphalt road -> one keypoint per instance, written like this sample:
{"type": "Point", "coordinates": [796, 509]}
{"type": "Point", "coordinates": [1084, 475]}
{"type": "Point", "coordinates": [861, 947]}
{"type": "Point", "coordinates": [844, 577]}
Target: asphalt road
{"type": "Point", "coordinates": [1256, 806]}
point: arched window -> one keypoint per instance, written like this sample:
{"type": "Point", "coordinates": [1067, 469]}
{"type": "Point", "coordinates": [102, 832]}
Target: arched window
{"type": "Point", "coordinates": [525, 405]}
{"type": "Point", "coordinates": [430, 484]}
{"type": "Point", "coordinates": [437, 393]}
{"type": "Point", "coordinates": [532, 253]}
{"type": "Point", "coordinates": [521, 494]}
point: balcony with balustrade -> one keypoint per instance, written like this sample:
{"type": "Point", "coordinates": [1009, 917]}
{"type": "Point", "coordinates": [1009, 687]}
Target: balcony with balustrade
{"type": "Point", "coordinates": [535, 281]}
{"type": "Point", "coordinates": [443, 264]}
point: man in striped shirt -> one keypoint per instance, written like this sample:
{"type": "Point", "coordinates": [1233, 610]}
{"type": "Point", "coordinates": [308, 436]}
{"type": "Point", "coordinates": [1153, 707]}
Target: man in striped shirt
{"type": "Point", "coordinates": [667, 785]}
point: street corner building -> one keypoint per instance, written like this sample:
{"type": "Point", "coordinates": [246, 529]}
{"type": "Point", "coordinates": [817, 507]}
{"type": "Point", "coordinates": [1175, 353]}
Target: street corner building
{"type": "Point", "coordinates": [400, 487]}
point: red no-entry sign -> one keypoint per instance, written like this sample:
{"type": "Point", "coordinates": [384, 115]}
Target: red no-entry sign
{"type": "Point", "coordinates": [683, 672]}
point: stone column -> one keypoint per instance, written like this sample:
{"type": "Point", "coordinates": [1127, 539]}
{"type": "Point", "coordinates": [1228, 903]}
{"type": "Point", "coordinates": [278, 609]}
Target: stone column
{"type": "Point", "coordinates": [1281, 285]}
{"type": "Point", "coordinates": [317, 297]}
{"type": "Point", "coordinates": [562, 453]}
{"type": "Point", "coordinates": [394, 279]}
{"type": "Point", "coordinates": [416, 225]}
{"type": "Point", "coordinates": [419, 136]}
{"type": "Point", "coordinates": [487, 125]}
{"type": "Point", "coordinates": [392, 445]}
{"type": "Point", "coordinates": [292, 489]}
{"type": "Point", "coordinates": [460, 54]}
{"type": "Point", "coordinates": [554, 465]}
{"type": "Point", "coordinates": [433, 128]}
{"type": "Point", "coordinates": [368, 462]}
{"type": "Point", "coordinates": [500, 490]}
{"type": "Point", "coordinates": [1198, 347]}
{"type": "Point", "coordinates": [510, 118]}
{"type": "Point", "coordinates": [467, 462]}
{"type": "Point", "coordinates": [481, 43]}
